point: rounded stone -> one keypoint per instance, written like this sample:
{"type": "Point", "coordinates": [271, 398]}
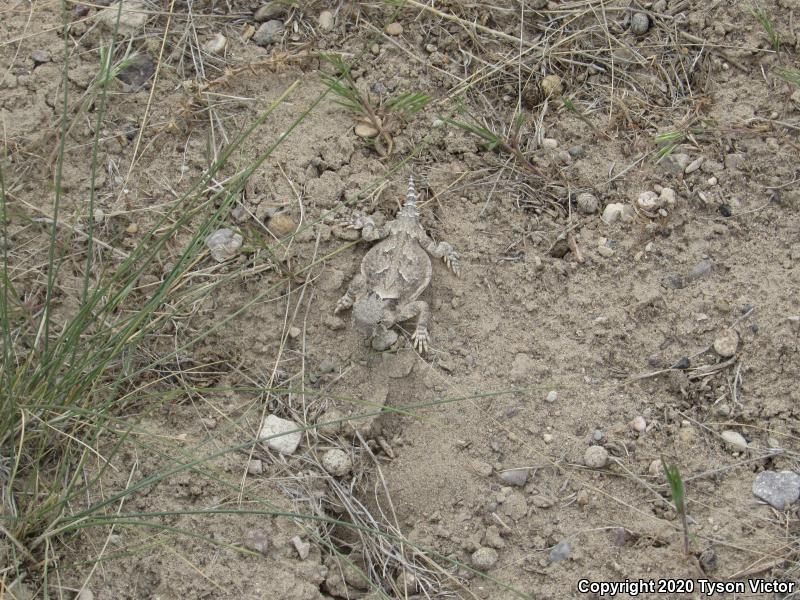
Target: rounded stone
{"type": "Point", "coordinates": [727, 343]}
{"type": "Point", "coordinates": [734, 440]}
{"type": "Point", "coordinates": [337, 462]}
{"type": "Point", "coordinates": [325, 20]}
{"type": "Point", "coordinates": [394, 28]}
{"type": "Point", "coordinates": [587, 203]}
{"type": "Point", "coordinates": [551, 84]}
{"type": "Point", "coordinates": [640, 23]}
{"type": "Point", "coordinates": [638, 424]}
{"type": "Point", "coordinates": [595, 457]}
{"type": "Point", "coordinates": [779, 489]}
{"type": "Point", "coordinates": [484, 558]}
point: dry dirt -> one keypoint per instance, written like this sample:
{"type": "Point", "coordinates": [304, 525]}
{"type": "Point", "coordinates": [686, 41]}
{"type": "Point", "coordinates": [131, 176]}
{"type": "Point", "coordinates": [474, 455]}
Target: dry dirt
{"type": "Point", "coordinates": [549, 299]}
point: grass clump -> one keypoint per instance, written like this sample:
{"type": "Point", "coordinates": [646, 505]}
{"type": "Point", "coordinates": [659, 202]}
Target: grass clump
{"type": "Point", "coordinates": [678, 491]}
{"type": "Point", "coordinates": [762, 17]}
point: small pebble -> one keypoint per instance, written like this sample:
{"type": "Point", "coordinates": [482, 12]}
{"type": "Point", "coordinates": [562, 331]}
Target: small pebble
{"type": "Point", "coordinates": [365, 130]}
{"type": "Point", "coordinates": [595, 457]}
{"type": "Point", "coordinates": [582, 498]}
{"type": "Point", "coordinates": [394, 28]}
{"type": "Point", "coordinates": [270, 10]}
{"type": "Point", "coordinates": [734, 440]}
{"type": "Point", "coordinates": [727, 343]}
{"type": "Point", "coordinates": [132, 229]}
{"type": "Point", "coordinates": [269, 33]}
{"type": "Point", "coordinates": [337, 462]}
{"type": "Point", "coordinates": [725, 210]}
{"type": "Point", "coordinates": [561, 551]}
{"type": "Point", "coordinates": [283, 442]}
{"type": "Point", "coordinates": [656, 469]}
{"type": "Point", "coordinates": [712, 180]}
{"type": "Point", "coordinates": [618, 211]}
{"type": "Point", "coordinates": [281, 224]}
{"type": "Point", "coordinates": [638, 424]}
{"type": "Point", "coordinates": [564, 157]}
{"type": "Point", "coordinates": [587, 203]}
{"type": "Point", "coordinates": [640, 23]}
{"type": "Point", "coordinates": [676, 162]}
{"type": "Point", "coordinates": [325, 20]}
{"type": "Point", "coordinates": [576, 152]}
{"type": "Point", "coordinates": [667, 196]}
{"type": "Point", "coordinates": [375, 49]}
{"type": "Point", "coordinates": [552, 396]}
{"type": "Point", "coordinates": [694, 165]}
{"type": "Point", "coordinates": [516, 477]}
{"type": "Point", "coordinates": [384, 340]}
{"type": "Point", "coordinates": [255, 467]}
{"type": "Point", "coordinates": [659, 6]}
{"type": "Point", "coordinates": [85, 594]}
{"type": "Point", "coordinates": [780, 489]}
{"type": "Point", "coordinates": [549, 144]}
{"type": "Point", "coordinates": [99, 215]}
{"type": "Point", "coordinates": [223, 244]}
{"type": "Point", "coordinates": [547, 438]}
{"type": "Point", "coordinates": [294, 332]}
{"type": "Point", "coordinates": [648, 201]}
{"type": "Point", "coordinates": [303, 548]}
{"type": "Point", "coordinates": [551, 85]}
{"type": "Point", "coordinates": [484, 558]}
{"type": "Point", "coordinates": [256, 540]}
{"type": "Point", "coordinates": [216, 45]}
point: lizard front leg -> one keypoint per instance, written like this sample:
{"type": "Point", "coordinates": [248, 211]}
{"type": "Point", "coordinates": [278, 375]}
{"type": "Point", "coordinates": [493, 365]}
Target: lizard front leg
{"type": "Point", "coordinates": [418, 309]}
{"type": "Point", "coordinates": [369, 233]}
{"type": "Point", "coordinates": [356, 288]}
{"type": "Point", "coordinates": [444, 251]}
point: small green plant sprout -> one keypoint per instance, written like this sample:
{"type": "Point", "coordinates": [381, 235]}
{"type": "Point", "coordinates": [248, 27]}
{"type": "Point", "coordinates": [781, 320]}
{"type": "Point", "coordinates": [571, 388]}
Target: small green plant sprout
{"type": "Point", "coordinates": [678, 490]}
{"type": "Point", "coordinates": [763, 18]}
{"type": "Point", "coordinates": [376, 120]}
{"type": "Point", "coordinates": [667, 142]}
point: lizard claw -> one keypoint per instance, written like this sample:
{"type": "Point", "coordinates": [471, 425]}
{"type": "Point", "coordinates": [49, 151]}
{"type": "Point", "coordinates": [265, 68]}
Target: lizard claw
{"type": "Point", "coordinates": [451, 260]}
{"type": "Point", "coordinates": [361, 222]}
{"type": "Point", "coordinates": [421, 338]}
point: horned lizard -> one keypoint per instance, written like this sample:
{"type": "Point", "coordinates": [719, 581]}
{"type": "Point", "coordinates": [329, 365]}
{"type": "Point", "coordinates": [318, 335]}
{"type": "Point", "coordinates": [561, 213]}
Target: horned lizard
{"type": "Point", "coordinates": [394, 273]}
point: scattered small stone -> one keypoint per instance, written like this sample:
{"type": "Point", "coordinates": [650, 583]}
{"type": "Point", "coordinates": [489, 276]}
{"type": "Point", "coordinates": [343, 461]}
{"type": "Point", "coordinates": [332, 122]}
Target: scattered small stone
{"type": "Point", "coordinates": [547, 438]}
{"type": "Point", "coordinates": [712, 166]}
{"type": "Point", "coordinates": [694, 165]}
{"type": "Point", "coordinates": [269, 33]}
{"type": "Point", "coordinates": [734, 440]}
{"type": "Point", "coordinates": [365, 130]}
{"type": "Point", "coordinates": [564, 157]}
{"type": "Point", "coordinates": [676, 162]}
{"type": "Point", "coordinates": [656, 469]}
{"type": "Point", "coordinates": [522, 367]}
{"type": "Point", "coordinates": [618, 211]}
{"type": "Point", "coordinates": [780, 489]}
{"type": "Point", "coordinates": [270, 10]}
{"type": "Point", "coordinates": [384, 340]}
{"type": "Point", "coordinates": [303, 548]}
{"type": "Point", "coordinates": [282, 224]}
{"type": "Point", "coordinates": [39, 57]}
{"type": "Point", "coordinates": [552, 396]}
{"type": "Point", "coordinates": [551, 85]}
{"type": "Point", "coordinates": [561, 551]}
{"type": "Point", "coordinates": [132, 229]}
{"type": "Point", "coordinates": [394, 28]}
{"type": "Point", "coordinates": [725, 210]}
{"type": "Point", "coordinates": [794, 322]}
{"type": "Point", "coordinates": [712, 181]}
{"type": "Point", "coordinates": [659, 6]}
{"type": "Point", "coordinates": [99, 215]}
{"type": "Point", "coordinates": [648, 201]}
{"type": "Point", "coordinates": [255, 467]}
{"type": "Point", "coordinates": [595, 457]}
{"type": "Point", "coordinates": [734, 160]}
{"type": "Point", "coordinates": [216, 45]}
{"type": "Point", "coordinates": [640, 23]}
{"type": "Point", "coordinates": [708, 560]}
{"type": "Point", "coordinates": [549, 144]}
{"type": "Point", "coordinates": [256, 540]}
{"type": "Point", "coordinates": [587, 203]}
{"type": "Point", "coordinates": [667, 197]}
{"type": "Point", "coordinates": [334, 323]}
{"type": "Point", "coordinates": [337, 462]}
{"type": "Point", "coordinates": [517, 477]}
{"type": "Point", "coordinates": [283, 442]}
{"type": "Point", "coordinates": [131, 19]}
{"type": "Point", "coordinates": [576, 152]}
{"type": "Point", "coordinates": [542, 501]}
{"type": "Point", "coordinates": [638, 424]}
{"type": "Point", "coordinates": [375, 49]}
{"type": "Point", "coordinates": [325, 20]}
{"type": "Point", "coordinates": [727, 343]}
{"type": "Point", "coordinates": [582, 498]}
{"type": "Point", "coordinates": [682, 364]}
{"type": "Point", "coordinates": [597, 436]}
{"type": "Point", "coordinates": [484, 558]}
{"type": "Point", "coordinates": [294, 332]}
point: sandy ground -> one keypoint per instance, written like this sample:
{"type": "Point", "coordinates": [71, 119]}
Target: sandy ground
{"type": "Point", "coordinates": [561, 334]}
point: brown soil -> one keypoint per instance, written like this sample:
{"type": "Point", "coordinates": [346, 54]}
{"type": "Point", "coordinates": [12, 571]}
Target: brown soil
{"type": "Point", "coordinates": [549, 298]}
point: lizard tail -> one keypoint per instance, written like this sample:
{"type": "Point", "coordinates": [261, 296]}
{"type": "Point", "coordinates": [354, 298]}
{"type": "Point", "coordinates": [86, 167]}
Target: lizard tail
{"type": "Point", "coordinates": [411, 196]}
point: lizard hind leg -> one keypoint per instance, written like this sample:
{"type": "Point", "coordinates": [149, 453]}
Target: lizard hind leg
{"type": "Point", "coordinates": [446, 252]}
{"type": "Point", "coordinates": [356, 288]}
{"type": "Point", "coordinates": [418, 309]}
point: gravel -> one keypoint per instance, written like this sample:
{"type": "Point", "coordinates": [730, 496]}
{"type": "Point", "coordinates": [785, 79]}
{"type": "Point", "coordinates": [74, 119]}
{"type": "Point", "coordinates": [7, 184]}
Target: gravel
{"type": "Point", "coordinates": [780, 489]}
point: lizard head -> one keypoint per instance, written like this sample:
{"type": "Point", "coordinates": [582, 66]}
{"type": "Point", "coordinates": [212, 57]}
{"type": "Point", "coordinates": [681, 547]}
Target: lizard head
{"type": "Point", "coordinates": [370, 311]}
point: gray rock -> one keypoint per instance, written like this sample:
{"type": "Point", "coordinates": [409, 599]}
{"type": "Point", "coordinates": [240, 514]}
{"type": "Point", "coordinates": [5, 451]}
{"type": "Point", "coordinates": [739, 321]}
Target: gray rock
{"type": "Point", "coordinates": [640, 23]}
{"type": "Point", "coordinates": [257, 541]}
{"type": "Point", "coordinates": [275, 426]}
{"type": "Point", "coordinates": [131, 19]}
{"type": "Point", "coordinates": [587, 203]}
{"type": "Point", "coordinates": [727, 343]}
{"type": "Point", "coordinates": [255, 467]}
{"type": "Point", "coordinates": [270, 10]}
{"type": "Point", "coordinates": [659, 6]}
{"type": "Point", "coordinates": [595, 457]}
{"type": "Point", "coordinates": [552, 396]}
{"type": "Point", "coordinates": [694, 165]}
{"type": "Point", "coordinates": [269, 33]}
{"type": "Point", "coordinates": [561, 551]}
{"type": "Point", "coordinates": [303, 548]}
{"type": "Point", "coordinates": [325, 20]}
{"type": "Point", "coordinates": [223, 244]}
{"type": "Point", "coordinates": [734, 160]}
{"type": "Point", "coordinates": [337, 462]}
{"type": "Point", "coordinates": [484, 558]}
{"type": "Point", "coordinates": [576, 152]}
{"type": "Point", "coordinates": [676, 162]}
{"type": "Point", "coordinates": [734, 440]}
{"type": "Point", "coordinates": [517, 477]}
{"type": "Point", "coordinates": [780, 489]}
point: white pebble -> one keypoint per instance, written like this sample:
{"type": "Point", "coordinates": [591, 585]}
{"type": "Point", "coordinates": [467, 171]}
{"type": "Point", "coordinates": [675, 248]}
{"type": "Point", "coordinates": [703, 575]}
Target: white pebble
{"type": "Point", "coordinates": [275, 426]}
